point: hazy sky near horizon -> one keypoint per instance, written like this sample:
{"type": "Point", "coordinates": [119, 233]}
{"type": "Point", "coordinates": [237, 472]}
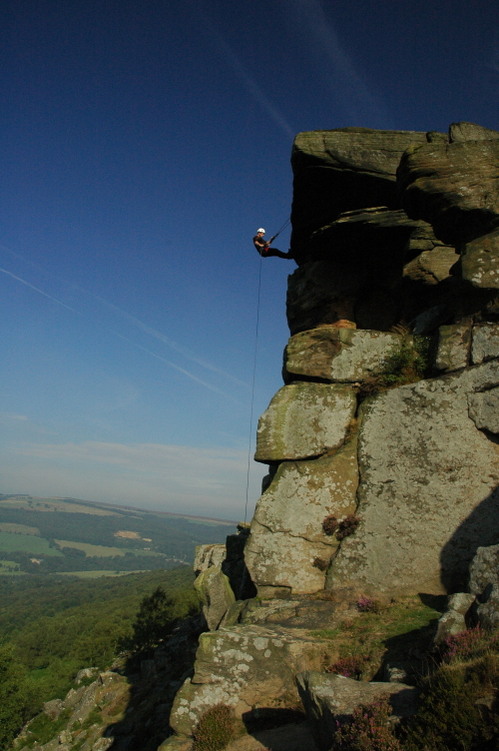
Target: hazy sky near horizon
{"type": "Point", "coordinates": [142, 144]}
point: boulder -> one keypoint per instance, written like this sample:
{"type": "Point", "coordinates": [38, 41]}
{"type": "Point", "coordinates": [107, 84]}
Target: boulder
{"type": "Point", "coordinates": [464, 131]}
{"type": "Point", "coordinates": [245, 667]}
{"type": "Point", "coordinates": [453, 347]}
{"type": "Point", "coordinates": [431, 267]}
{"type": "Point", "coordinates": [484, 409]}
{"type": "Point", "coordinates": [480, 261]}
{"type": "Point", "coordinates": [304, 420]}
{"type": "Point", "coordinates": [323, 292]}
{"type": "Point", "coordinates": [288, 548]}
{"type": "Point", "coordinates": [485, 342]}
{"type": "Point", "coordinates": [428, 492]}
{"type": "Point", "coordinates": [484, 584]}
{"type": "Point", "coordinates": [452, 186]}
{"type": "Point", "coordinates": [216, 595]}
{"type": "Point", "coordinates": [456, 618]}
{"type": "Point", "coordinates": [330, 699]}
{"type": "Point", "coordinates": [339, 355]}
{"type": "Point", "coordinates": [207, 556]}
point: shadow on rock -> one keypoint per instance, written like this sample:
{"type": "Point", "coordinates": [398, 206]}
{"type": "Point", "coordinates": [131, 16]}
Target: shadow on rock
{"type": "Point", "coordinates": [154, 679]}
{"type": "Point", "coordinates": [462, 546]}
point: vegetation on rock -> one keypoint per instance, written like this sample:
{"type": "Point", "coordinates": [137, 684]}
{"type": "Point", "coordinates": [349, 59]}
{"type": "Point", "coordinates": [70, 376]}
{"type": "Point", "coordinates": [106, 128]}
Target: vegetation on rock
{"type": "Point", "coordinates": [407, 364]}
{"type": "Point", "coordinates": [215, 729]}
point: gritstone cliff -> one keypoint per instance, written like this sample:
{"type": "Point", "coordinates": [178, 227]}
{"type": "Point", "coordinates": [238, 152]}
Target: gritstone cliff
{"type": "Point", "coordinates": [382, 444]}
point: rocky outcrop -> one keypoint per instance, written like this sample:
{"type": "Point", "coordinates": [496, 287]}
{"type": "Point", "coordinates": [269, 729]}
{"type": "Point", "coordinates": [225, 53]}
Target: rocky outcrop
{"type": "Point", "coordinates": [393, 359]}
{"type": "Point", "coordinates": [244, 667]}
{"type": "Point", "coordinates": [383, 443]}
{"type": "Point", "coordinates": [331, 699]}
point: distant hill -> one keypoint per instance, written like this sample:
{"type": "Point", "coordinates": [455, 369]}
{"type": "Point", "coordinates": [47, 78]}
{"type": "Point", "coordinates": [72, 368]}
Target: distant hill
{"type": "Point", "coordinates": [83, 538]}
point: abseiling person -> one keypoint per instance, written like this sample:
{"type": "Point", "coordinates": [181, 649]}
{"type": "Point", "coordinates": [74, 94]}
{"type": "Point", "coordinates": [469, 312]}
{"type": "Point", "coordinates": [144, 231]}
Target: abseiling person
{"type": "Point", "coordinates": [263, 246]}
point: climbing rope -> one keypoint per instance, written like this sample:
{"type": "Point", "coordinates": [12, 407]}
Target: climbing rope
{"type": "Point", "coordinates": [253, 382]}
{"type": "Point", "coordinates": [281, 229]}
{"type": "Point", "coordinates": [253, 378]}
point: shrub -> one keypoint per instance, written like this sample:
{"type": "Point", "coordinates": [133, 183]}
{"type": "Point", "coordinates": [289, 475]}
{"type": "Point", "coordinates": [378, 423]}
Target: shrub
{"type": "Point", "coordinates": [458, 703]}
{"type": "Point", "coordinates": [350, 667]}
{"type": "Point", "coordinates": [472, 643]}
{"type": "Point", "coordinates": [367, 605]}
{"type": "Point", "coordinates": [407, 364]}
{"type": "Point", "coordinates": [215, 729]}
{"type": "Point", "coordinates": [343, 528]}
{"type": "Point", "coordinates": [368, 730]}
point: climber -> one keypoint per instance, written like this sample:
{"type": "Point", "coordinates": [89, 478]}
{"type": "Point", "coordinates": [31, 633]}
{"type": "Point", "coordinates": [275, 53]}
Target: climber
{"type": "Point", "coordinates": [263, 246]}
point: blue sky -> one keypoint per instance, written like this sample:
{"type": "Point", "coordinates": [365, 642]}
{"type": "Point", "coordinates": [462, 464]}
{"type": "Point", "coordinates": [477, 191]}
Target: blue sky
{"type": "Point", "coordinates": [142, 144]}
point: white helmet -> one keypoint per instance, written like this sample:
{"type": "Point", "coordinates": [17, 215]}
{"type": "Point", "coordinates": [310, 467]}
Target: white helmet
{"type": "Point", "coordinates": [260, 230]}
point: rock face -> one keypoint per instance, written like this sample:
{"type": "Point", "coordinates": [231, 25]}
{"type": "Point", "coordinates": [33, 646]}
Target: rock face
{"type": "Point", "coordinates": [383, 443]}
{"type": "Point", "coordinates": [393, 362]}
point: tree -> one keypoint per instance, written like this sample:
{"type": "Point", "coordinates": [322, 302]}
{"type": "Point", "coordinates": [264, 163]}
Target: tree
{"type": "Point", "coordinates": [15, 696]}
{"type": "Point", "coordinates": [154, 621]}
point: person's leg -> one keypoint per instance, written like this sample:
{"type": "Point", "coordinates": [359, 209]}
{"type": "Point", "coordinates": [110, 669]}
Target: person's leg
{"type": "Point", "coordinates": [269, 252]}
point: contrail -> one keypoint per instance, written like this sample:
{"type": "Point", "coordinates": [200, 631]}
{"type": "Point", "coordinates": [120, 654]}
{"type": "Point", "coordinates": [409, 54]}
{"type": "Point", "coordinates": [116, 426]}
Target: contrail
{"type": "Point", "coordinates": [176, 367]}
{"type": "Point", "coordinates": [248, 80]}
{"type": "Point", "coordinates": [311, 17]}
{"type": "Point", "coordinates": [37, 289]}
{"type": "Point", "coordinates": [185, 372]}
{"type": "Point", "coordinates": [163, 338]}
{"type": "Point", "coordinates": [128, 316]}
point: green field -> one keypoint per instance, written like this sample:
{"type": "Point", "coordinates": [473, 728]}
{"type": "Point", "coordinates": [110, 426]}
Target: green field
{"type": "Point", "coordinates": [55, 504]}
{"type": "Point", "coordinates": [10, 568]}
{"type": "Point", "coordinates": [98, 574]}
{"type": "Point", "coordinates": [23, 528]}
{"type": "Point", "coordinates": [102, 551]}
{"type": "Point", "coordinates": [11, 543]}
{"type": "Point", "coordinates": [93, 537]}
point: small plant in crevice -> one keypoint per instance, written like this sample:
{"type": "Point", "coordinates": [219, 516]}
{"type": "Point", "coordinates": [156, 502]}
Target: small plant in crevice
{"type": "Point", "coordinates": [406, 364]}
{"type": "Point", "coordinates": [367, 605]}
{"type": "Point", "coordinates": [347, 526]}
{"type": "Point", "coordinates": [330, 525]}
{"type": "Point", "coordinates": [369, 729]}
{"type": "Point", "coordinates": [341, 528]}
{"type": "Point", "coordinates": [215, 729]}
{"type": "Point", "coordinates": [349, 667]}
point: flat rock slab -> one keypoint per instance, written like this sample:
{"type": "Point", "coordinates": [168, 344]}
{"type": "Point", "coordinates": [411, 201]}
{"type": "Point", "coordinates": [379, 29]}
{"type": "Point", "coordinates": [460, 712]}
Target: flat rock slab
{"type": "Point", "coordinates": [340, 355]}
{"type": "Point", "coordinates": [304, 420]}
